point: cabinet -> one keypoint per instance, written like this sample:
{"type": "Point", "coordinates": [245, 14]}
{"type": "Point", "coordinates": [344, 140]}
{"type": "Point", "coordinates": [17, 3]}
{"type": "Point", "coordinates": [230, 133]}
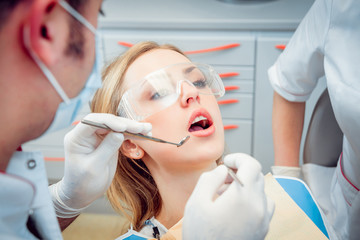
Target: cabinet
{"type": "Point", "coordinates": [268, 49]}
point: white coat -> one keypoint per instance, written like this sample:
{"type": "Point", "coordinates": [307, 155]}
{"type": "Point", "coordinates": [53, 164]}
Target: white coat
{"type": "Point", "coordinates": [23, 193]}
{"type": "Point", "coordinates": [327, 42]}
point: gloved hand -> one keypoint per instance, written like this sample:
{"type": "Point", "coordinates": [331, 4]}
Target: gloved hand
{"type": "Point", "coordinates": [240, 212]}
{"type": "Point", "coordinates": [90, 162]}
{"type": "Point", "coordinates": [286, 171]}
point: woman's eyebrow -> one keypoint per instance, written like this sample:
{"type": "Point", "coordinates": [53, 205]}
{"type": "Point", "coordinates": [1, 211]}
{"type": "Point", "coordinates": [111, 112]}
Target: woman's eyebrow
{"type": "Point", "coordinates": [189, 69]}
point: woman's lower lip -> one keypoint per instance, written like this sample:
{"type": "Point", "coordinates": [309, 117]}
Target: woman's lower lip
{"type": "Point", "coordinates": [204, 133]}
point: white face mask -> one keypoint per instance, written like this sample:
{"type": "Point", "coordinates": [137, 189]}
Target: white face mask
{"type": "Point", "coordinates": [69, 108]}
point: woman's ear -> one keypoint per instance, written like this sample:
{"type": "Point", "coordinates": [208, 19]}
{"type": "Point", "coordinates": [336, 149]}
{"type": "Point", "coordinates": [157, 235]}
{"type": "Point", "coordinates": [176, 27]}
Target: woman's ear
{"type": "Point", "coordinates": [46, 30]}
{"type": "Point", "coordinates": [132, 150]}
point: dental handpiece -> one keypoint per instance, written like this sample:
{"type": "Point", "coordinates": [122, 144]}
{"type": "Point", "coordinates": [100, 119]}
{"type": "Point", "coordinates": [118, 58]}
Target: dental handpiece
{"type": "Point", "coordinates": [104, 126]}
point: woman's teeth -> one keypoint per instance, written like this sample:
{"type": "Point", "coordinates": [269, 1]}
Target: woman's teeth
{"type": "Point", "coordinates": [198, 119]}
{"type": "Point", "coordinates": [199, 123]}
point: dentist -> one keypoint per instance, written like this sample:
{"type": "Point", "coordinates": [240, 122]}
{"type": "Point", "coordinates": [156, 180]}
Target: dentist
{"type": "Point", "coordinates": [48, 72]}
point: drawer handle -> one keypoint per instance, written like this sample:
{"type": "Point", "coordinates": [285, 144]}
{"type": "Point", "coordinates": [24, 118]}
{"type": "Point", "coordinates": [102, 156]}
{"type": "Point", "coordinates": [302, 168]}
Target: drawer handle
{"type": "Point", "coordinates": [54, 159]}
{"type": "Point", "coordinates": [229, 74]}
{"type": "Point", "coordinates": [280, 46]}
{"type": "Point", "coordinates": [227, 101]}
{"type": "Point", "coordinates": [231, 88]}
{"type": "Point", "coordinates": [125, 44]}
{"type": "Point", "coordinates": [230, 126]}
{"type": "Point", "coordinates": [220, 48]}
{"type": "Point", "coordinates": [75, 123]}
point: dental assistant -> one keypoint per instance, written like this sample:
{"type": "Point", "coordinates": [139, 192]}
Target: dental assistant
{"type": "Point", "coordinates": [47, 73]}
{"type": "Point", "coordinates": [326, 43]}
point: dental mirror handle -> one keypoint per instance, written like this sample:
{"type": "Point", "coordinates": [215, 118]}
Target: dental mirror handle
{"type": "Point", "coordinates": [234, 176]}
{"type": "Point", "coordinates": [104, 126]}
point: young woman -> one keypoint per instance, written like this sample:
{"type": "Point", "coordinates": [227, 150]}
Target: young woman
{"type": "Point", "coordinates": [160, 85]}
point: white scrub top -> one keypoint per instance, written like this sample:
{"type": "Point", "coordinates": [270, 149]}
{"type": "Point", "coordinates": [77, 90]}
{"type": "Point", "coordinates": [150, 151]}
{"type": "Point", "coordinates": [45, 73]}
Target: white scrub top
{"type": "Point", "coordinates": [327, 42]}
{"type": "Point", "coordinates": [23, 194]}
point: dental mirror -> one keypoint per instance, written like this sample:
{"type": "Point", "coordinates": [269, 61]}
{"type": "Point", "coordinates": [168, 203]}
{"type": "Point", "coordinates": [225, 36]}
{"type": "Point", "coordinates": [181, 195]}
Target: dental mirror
{"type": "Point", "coordinates": [104, 126]}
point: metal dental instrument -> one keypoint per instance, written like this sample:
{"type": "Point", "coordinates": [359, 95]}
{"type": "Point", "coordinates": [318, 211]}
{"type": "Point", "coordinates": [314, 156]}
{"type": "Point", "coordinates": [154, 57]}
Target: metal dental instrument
{"type": "Point", "coordinates": [234, 176]}
{"type": "Point", "coordinates": [100, 125]}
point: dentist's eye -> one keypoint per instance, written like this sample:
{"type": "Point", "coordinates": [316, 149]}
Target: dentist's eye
{"type": "Point", "coordinates": [200, 83]}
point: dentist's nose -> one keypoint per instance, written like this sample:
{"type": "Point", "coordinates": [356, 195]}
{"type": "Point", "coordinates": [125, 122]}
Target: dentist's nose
{"type": "Point", "coordinates": [188, 94]}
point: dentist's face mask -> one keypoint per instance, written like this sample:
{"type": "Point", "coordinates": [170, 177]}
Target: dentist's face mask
{"type": "Point", "coordinates": [69, 108]}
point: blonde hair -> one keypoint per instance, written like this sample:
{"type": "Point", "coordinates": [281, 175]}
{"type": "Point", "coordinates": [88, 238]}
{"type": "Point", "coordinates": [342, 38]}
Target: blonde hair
{"type": "Point", "coordinates": [133, 190]}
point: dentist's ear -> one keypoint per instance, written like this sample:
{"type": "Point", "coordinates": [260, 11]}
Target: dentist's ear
{"type": "Point", "coordinates": [132, 150]}
{"type": "Point", "coordinates": [44, 31]}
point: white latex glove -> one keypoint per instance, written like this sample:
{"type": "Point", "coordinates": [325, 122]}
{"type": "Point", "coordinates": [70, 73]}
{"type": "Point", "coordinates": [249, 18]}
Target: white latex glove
{"type": "Point", "coordinates": [90, 162]}
{"type": "Point", "coordinates": [240, 212]}
{"type": "Point", "coordinates": [286, 171]}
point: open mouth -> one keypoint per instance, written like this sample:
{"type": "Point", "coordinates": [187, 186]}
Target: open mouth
{"type": "Point", "coordinates": [200, 123]}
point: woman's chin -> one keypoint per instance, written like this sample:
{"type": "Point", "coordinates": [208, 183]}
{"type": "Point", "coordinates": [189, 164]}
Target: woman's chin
{"type": "Point", "coordinates": [209, 153]}
{"type": "Point", "coordinates": [206, 157]}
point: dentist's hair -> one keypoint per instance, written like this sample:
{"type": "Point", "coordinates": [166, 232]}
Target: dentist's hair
{"type": "Point", "coordinates": [133, 191]}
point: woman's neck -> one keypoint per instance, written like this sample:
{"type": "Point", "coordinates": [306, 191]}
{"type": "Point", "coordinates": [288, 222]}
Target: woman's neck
{"type": "Point", "coordinates": [175, 189]}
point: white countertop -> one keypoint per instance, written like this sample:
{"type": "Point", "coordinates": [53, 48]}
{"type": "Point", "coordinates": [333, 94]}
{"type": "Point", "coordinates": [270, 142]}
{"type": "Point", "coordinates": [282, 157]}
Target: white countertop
{"type": "Point", "coordinates": [204, 14]}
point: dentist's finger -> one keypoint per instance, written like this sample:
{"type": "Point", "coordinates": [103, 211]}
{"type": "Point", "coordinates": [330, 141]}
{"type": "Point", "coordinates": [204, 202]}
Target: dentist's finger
{"type": "Point", "coordinates": [108, 147]}
{"type": "Point", "coordinates": [209, 183]}
{"type": "Point", "coordinates": [248, 168]}
{"type": "Point", "coordinates": [119, 124]}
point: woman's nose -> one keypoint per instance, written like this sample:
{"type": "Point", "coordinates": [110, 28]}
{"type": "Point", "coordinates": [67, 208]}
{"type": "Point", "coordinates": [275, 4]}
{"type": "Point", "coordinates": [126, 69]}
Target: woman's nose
{"type": "Point", "coordinates": [188, 93]}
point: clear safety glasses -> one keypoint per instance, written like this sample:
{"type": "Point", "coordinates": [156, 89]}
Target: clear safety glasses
{"type": "Point", "coordinates": [160, 89]}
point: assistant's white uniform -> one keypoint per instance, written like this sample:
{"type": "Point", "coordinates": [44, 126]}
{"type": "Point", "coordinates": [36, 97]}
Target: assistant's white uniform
{"type": "Point", "coordinates": [23, 193]}
{"type": "Point", "coordinates": [327, 41]}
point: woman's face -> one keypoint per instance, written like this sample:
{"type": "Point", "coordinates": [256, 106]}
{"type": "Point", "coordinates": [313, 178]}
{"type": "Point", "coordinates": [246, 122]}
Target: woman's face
{"type": "Point", "coordinates": [206, 144]}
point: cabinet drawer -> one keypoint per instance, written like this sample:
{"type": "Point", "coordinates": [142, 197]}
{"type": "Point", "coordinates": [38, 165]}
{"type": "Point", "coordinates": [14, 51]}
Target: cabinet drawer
{"type": "Point", "coordinates": [211, 50]}
{"type": "Point", "coordinates": [237, 79]}
{"type": "Point", "coordinates": [236, 105]}
{"type": "Point", "coordinates": [234, 72]}
{"type": "Point", "coordinates": [237, 136]}
{"type": "Point", "coordinates": [54, 170]}
{"type": "Point", "coordinates": [55, 139]}
{"type": "Point", "coordinates": [239, 86]}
